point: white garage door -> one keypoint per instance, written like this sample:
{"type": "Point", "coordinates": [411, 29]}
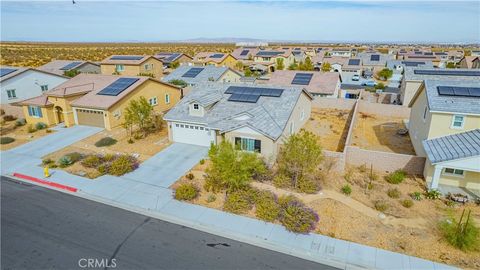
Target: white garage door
{"type": "Point", "coordinates": [192, 134]}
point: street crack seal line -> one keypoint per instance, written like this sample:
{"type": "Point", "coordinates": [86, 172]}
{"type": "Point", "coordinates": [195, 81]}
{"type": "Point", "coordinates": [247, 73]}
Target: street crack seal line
{"type": "Point", "coordinates": [218, 244]}
{"type": "Point", "coordinates": [125, 240]}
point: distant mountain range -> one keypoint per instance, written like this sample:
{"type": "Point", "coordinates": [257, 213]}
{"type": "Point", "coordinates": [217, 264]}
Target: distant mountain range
{"type": "Point", "coordinates": [220, 40]}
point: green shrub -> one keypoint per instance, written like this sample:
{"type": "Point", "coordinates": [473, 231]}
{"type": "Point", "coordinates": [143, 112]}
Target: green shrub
{"type": "Point", "coordinates": [417, 196]}
{"type": "Point", "coordinates": [266, 206]}
{"type": "Point", "coordinates": [20, 122]}
{"type": "Point", "coordinates": [407, 203]}
{"type": "Point", "coordinates": [130, 141]}
{"type": "Point", "coordinates": [107, 141]}
{"type": "Point", "coordinates": [65, 161]}
{"type": "Point", "coordinates": [381, 206]}
{"type": "Point", "coordinates": [40, 125]}
{"type": "Point", "coordinates": [6, 140]}
{"type": "Point", "coordinates": [122, 164]}
{"type": "Point", "coordinates": [9, 117]}
{"type": "Point", "coordinates": [103, 169]}
{"type": "Point", "coordinates": [75, 156]}
{"type": "Point", "coordinates": [47, 161]}
{"type": "Point", "coordinates": [91, 161]}
{"type": "Point", "coordinates": [239, 201]}
{"type": "Point", "coordinates": [190, 176]}
{"type": "Point", "coordinates": [393, 193]}
{"type": "Point", "coordinates": [202, 161]}
{"type": "Point", "coordinates": [211, 198]}
{"type": "Point", "coordinates": [433, 194]}
{"type": "Point", "coordinates": [186, 192]}
{"type": "Point", "coordinates": [109, 157]}
{"type": "Point", "coordinates": [463, 234]}
{"type": "Point", "coordinates": [396, 177]}
{"type": "Point", "coordinates": [295, 216]}
{"type": "Point", "coordinates": [31, 129]}
{"type": "Point", "coordinates": [347, 189]}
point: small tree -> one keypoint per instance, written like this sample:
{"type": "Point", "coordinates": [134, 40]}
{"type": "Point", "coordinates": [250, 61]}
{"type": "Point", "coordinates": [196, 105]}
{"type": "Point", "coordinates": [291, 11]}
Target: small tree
{"type": "Point", "coordinates": [71, 73]}
{"type": "Point", "coordinates": [298, 161]}
{"type": "Point", "coordinates": [139, 112]}
{"type": "Point", "coordinates": [239, 65]}
{"type": "Point", "coordinates": [230, 168]}
{"type": "Point", "coordinates": [307, 65]}
{"type": "Point", "coordinates": [248, 73]}
{"type": "Point", "coordinates": [280, 64]}
{"type": "Point", "coordinates": [326, 67]}
{"type": "Point", "coordinates": [380, 86]}
{"type": "Point", "coordinates": [385, 74]}
{"type": "Point", "coordinates": [178, 82]}
{"type": "Point", "coordinates": [174, 64]}
{"type": "Point", "coordinates": [463, 234]}
{"type": "Point", "coordinates": [450, 65]}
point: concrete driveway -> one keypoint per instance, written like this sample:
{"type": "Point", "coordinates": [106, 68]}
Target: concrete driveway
{"type": "Point", "coordinates": [167, 166]}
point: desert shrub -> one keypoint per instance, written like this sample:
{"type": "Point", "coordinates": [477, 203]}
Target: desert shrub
{"type": "Point", "coordinates": [347, 189]}
{"type": "Point", "coordinates": [396, 177]}
{"type": "Point", "coordinates": [393, 193]}
{"type": "Point", "coordinates": [122, 164]}
{"type": "Point", "coordinates": [109, 157]}
{"type": "Point", "coordinates": [6, 140]}
{"type": "Point", "coordinates": [40, 125]}
{"type": "Point", "coordinates": [407, 203]}
{"type": "Point", "coordinates": [381, 205]}
{"type": "Point", "coordinates": [190, 176]}
{"type": "Point", "coordinates": [2, 111]}
{"type": "Point", "coordinates": [75, 156]}
{"type": "Point", "coordinates": [130, 141]}
{"type": "Point", "coordinates": [202, 161]}
{"type": "Point", "coordinates": [463, 234]}
{"type": "Point", "coordinates": [31, 129]}
{"type": "Point", "coordinates": [239, 201]}
{"type": "Point", "coordinates": [266, 206]}
{"type": "Point", "coordinates": [211, 198]}
{"type": "Point", "coordinates": [103, 168]}
{"type": "Point", "coordinates": [186, 192]}
{"type": "Point", "coordinates": [433, 194]}
{"type": "Point", "coordinates": [362, 168]}
{"type": "Point", "coordinates": [9, 117]}
{"type": "Point", "coordinates": [91, 161]}
{"type": "Point", "coordinates": [107, 141]}
{"type": "Point", "coordinates": [65, 161]}
{"type": "Point", "coordinates": [417, 196]}
{"type": "Point", "coordinates": [47, 161]}
{"type": "Point", "coordinates": [295, 216]}
{"type": "Point", "coordinates": [48, 131]}
{"type": "Point", "coordinates": [20, 122]}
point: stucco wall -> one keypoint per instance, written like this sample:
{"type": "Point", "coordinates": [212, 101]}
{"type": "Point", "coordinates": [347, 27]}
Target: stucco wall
{"type": "Point", "coordinates": [134, 70]}
{"type": "Point", "coordinates": [408, 90]}
{"type": "Point", "coordinates": [229, 76]}
{"type": "Point", "coordinates": [47, 116]}
{"type": "Point", "coordinates": [470, 180]}
{"type": "Point", "coordinates": [442, 122]}
{"type": "Point", "coordinates": [328, 103]}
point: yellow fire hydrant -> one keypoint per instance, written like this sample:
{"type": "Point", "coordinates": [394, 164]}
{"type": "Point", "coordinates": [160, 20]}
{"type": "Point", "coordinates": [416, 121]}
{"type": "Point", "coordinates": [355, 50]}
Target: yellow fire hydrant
{"type": "Point", "coordinates": [46, 172]}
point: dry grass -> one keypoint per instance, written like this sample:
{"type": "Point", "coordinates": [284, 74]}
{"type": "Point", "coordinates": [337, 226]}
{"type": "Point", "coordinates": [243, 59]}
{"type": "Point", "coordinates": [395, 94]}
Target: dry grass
{"type": "Point", "coordinates": [20, 134]}
{"type": "Point", "coordinates": [331, 127]}
{"type": "Point", "coordinates": [373, 132]}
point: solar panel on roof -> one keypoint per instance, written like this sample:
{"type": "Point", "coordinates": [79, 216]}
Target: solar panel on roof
{"type": "Point", "coordinates": [302, 78]}
{"type": "Point", "coordinates": [412, 63]}
{"type": "Point", "coordinates": [217, 55]}
{"type": "Point", "coordinates": [126, 57]}
{"type": "Point", "coordinates": [374, 57]}
{"type": "Point", "coordinates": [268, 53]}
{"type": "Point", "coordinates": [261, 91]}
{"type": "Point", "coordinates": [244, 98]}
{"type": "Point", "coordinates": [244, 52]}
{"type": "Point", "coordinates": [474, 91]}
{"type": "Point", "coordinates": [6, 71]}
{"type": "Point", "coordinates": [354, 62]}
{"type": "Point", "coordinates": [421, 56]}
{"type": "Point", "coordinates": [71, 65]}
{"type": "Point", "coordinates": [428, 53]}
{"type": "Point", "coordinates": [117, 87]}
{"type": "Point", "coordinates": [192, 73]}
{"type": "Point", "coordinates": [458, 91]}
{"type": "Point", "coordinates": [447, 72]}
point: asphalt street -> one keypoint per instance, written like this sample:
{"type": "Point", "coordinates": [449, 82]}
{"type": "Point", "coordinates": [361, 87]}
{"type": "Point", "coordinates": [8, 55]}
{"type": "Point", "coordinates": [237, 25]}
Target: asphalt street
{"type": "Point", "coordinates": [46, 229]}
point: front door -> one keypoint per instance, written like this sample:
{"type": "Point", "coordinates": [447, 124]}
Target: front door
{"type": "Point", "coordinates": [60, 117]}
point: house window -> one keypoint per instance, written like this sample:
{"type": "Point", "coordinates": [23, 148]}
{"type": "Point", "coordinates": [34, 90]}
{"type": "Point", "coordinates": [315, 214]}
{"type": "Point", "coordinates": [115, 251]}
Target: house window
{"type": "Point", "coordinates": [167, 98]}
{"type": "Point", "coordinates": [148, 66]}
{"type": "Point", "coordinates": [44, 87]}
{"type": "Point", "coordinates": [195, 106]}
{"type": "Point", "coordinates": [11, 94]}
{"type": "Point", "coordinates": [458, 121]}
{"type": "Point", "coordinates": [425, 113]}
{"type": "Point", "coordinates": [454, 172]}
{"type": "Point", "coordinates": [302, 116]}
{"type": "Point", "coordinates": [119, 67]}
{"type": "Point", "coordinates": [292, 127]}
{"type": "Point", "coordinates": [35, 111]}
{"type": "Point", "coordinates": [153, 101]}
{"type": "Point", "coordinates": [247, 144]}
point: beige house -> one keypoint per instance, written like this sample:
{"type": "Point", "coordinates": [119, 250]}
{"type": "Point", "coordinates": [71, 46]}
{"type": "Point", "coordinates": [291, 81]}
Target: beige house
{"type": "Point", "coordinates": [444, 127]}
{"type": "Point", "coordinates": [269, 58]}
{"type": "Point", "coordinates": [62, 67]}
{"type": "Point", "coordinates": [214, 59]}
{"type": "Point", "coordinates": [256, 118]}
{"type": "Point", "coordinates": [168, 58]}
{"type": "Point", "coordinates": [132, 65]}
{"type": "Point", "coordinates": [318, 84]}
{"type": "Point", "coordinates": [470, 62]}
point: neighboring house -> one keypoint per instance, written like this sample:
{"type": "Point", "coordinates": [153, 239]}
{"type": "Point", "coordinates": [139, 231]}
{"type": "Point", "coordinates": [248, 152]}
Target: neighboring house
{"type": "Point", "coordinates": [340, 52]}
{"type": "Point", "coordinates": [374, 60]}
{"type": "Point", "coordinates": [336, 62]}
{"type": "Point", "coordinates": [245, 53]}
{"type": "Point", "coordinates": [444, 127]}
{"type": "Point", "coordinates": [318, 84]}
{"type": "Point", "coordinates": [400, 65]}
{"type": "Point", "coordinates": [194, 75]}
{"type": "Point", "coordinates": [132, 65]}
{"type": "Point", "coordinates": [475, 53]}
{"type": "Point", "coordinates": [61, 66]}
{"type": "Point", "coordinates": [470, 62]}
{"type": "Point", "coordinates": [168, 58]}
{"type": "Point", "coordinates": [20, 83]}
{"type": "Point", "coordinates": [353, 65]}
{"type": "Point", "coordinates": [414, 76]}
{"type": "Point", "coordinates": [422, 56]}
{"type": "Point", "coordinates": [97, 100]}
{"type": "Point", "coordinates": [268, 58]}
{"type": "Point", "coordinates": [214, 59]}
{"type": "Point", "coordinates": [256, 118]}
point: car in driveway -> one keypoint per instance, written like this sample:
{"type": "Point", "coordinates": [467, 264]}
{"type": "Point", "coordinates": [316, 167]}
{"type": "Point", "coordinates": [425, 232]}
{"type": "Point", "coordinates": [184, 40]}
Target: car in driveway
{"type": "Point", "coordinates": [370, 83]}
{"type": "Point", "coordinates": [356, 77]}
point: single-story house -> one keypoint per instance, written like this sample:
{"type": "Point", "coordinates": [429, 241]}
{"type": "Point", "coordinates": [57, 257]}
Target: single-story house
{"type": "Point", "coordinates": [256, 118]}
{"type": "Point", "coordinates": [61, 66]}
{"type": "Point", "coordinates": [193, 75]}
{"type": "Point", "coordinates": [245, 53]}
{"type": "Point", "coordinates": [132, 65]}
{"type": "Point", "coordinates": [318, 84]}
{"type": "Point", "coordinates": [168, 58]}
{"type": "Point", "coordinates": [97, 100]}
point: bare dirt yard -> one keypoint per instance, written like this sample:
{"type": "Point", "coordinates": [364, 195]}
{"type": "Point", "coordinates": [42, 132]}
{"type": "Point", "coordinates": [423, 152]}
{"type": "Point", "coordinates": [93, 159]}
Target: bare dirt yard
{"type": "Point", "coordinates": [20, 134]}
{"type": "Point", "coordinates": [331, 126]}
{"type": "Point", "coordinates": [374, 132]}
{"type": "Point", "coordinates": [413, 230]}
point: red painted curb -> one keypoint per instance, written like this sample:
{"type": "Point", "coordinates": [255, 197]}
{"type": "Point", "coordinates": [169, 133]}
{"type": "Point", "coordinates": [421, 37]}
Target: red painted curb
{"type": "Point", "coordinates": [45, 182]}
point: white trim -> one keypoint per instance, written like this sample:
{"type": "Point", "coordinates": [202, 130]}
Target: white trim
{"type": "Point", "coordinates": [453, 174]}
{"type": "Point", "coordinates": [457, 113]}
{"type": "Point", "coordinates": [452, 126]}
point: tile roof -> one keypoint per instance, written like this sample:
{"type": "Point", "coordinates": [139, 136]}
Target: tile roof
{"type": "Point", "coordinates": [453, 104]}
{"type": "Point", "coordinates": [409, 63]}
{"type": "Point", "coordinates": [237, 53]}
{"type": "Point", "coordinates": [168, 57]}
{"type": "Point", "coordinates": [109, 61]}
{"type": "Point", "coordinates": [452, 147]}
{"type": "Point", "coordinates": [20, 70]}
{"type": "Point", "coordinates": [410, 75]}
{"type": "Point", "coordinates": [205, 57]}
{"type": "Point", "coordinates": [56, 66]}
{"type": "Point", "coordinates": [368, 58]}
{"type": "Point", "coordinates": [321, 82]}
{"type": "Point", "coordinates": [269, 115]}
{"type": "Point", "coordinates": [41, 101]}
{"type": "Point", "coordinates": [209, 73]}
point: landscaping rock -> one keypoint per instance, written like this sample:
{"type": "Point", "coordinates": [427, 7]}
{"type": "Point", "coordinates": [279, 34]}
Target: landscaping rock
{"type": "Point", "coordinates": [381, 216]}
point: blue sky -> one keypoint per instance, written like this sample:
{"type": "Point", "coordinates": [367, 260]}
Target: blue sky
{"type": "Point", "coordinates": [116, 21]}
